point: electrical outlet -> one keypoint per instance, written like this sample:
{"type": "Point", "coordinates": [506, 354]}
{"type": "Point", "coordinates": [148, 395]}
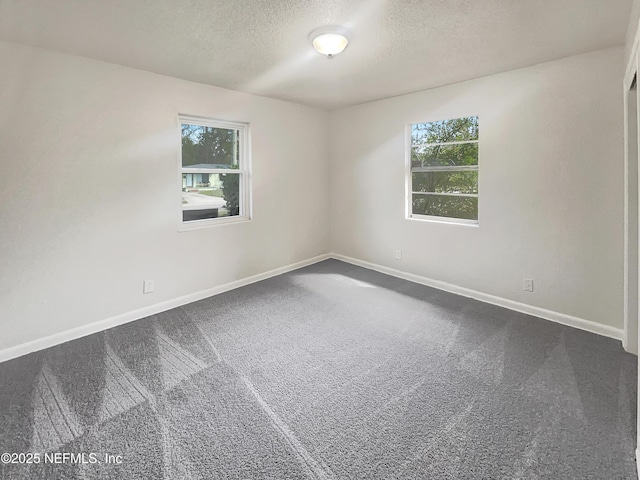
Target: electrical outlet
{"type": "Point", "coordinates": [528, 285]}
{"type": "Point", "coordinates": [398, 254]}
{"type": "Point", "coordinates": [147, 286]}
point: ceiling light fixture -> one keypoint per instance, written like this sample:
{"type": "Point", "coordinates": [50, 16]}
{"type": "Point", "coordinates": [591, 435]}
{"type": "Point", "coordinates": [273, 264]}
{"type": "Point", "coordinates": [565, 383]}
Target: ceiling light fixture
{"type": "Point", "coordinates": [330, 40]}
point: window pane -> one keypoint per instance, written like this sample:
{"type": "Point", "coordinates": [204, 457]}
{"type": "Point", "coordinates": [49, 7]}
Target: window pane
{"type": "Point", "coordinates": [445, 206]}
{"type": "Point", "coordinates": [445, 155]}
{"type": "Point", "coordinates": [209, 147]}
{"type": "Point", "coordinates": [456, 130]}
{"type": "Point", "coordinates": [445, 182]}
{"type": "Point", "coordinates": [191, 215]}
{"type": "Point", "coordinates": [217, 193]}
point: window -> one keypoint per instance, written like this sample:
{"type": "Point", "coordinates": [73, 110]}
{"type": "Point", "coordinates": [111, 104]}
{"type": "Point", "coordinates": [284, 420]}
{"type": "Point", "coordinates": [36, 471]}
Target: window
{"type": "Point", "coordinates": [444, 170]}
{"type": "Point", "coordinates": [214, 163]}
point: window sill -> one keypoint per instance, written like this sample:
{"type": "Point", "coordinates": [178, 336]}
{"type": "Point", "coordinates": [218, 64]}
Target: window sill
{"type": "Point", "coordinates": [448, 220]}
{"type": "Point", "coordinates": [212, 222]}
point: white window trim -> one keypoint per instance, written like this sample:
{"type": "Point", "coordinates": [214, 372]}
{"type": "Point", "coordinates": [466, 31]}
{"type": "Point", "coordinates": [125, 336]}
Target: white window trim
{"type": "Point", "coordinates": [244, 170]}
{"type": "Point", "coordinates": [435, 219]}
{"type": "Point", "coordinates": [409, 215]}
{"type": "Point", "coordinates": [446, 143]}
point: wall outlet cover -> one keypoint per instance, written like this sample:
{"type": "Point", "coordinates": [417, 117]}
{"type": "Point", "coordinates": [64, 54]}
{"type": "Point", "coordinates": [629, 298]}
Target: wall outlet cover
{"type": "Point", "coordinates": [528, 285]}
{"type": "Point", "coordinates": [147, 286]}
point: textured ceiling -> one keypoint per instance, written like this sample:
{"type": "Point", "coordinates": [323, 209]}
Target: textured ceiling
{"type": "Point", "coordinates": [261, 46]}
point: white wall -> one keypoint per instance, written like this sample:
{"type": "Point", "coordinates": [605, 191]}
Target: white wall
{"type": "Point", "coordinates": [631, 62]}
{"type": "Point", "coordinates": [550, 185]}
{"type": "Point", "coordinates": [88, 163]}
{"type": "Point", "coordinates": [634, 17]}
{"type": "Point", "coordinates": [88, 199]}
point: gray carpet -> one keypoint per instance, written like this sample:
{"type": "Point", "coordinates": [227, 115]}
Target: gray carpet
{"type": "Point", "coordinates": [331, 371]}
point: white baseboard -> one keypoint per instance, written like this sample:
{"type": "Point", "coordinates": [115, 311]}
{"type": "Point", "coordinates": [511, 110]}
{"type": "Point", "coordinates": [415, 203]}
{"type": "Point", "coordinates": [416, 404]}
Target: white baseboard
{"type": "Point", "coordinates": [84, 330]}
{"type": "Point", "coordinates": [562, 318]}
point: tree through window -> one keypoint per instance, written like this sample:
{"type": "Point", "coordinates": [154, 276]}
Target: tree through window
{"type": "Point", "coordinates": [444, 169]}
{"type": "Point", "coordinates": [213, 164]}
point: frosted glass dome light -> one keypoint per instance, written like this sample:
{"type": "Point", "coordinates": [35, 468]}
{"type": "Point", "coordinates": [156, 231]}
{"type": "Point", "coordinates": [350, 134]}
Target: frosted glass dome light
{"type": "Point", "coordinates": [329, 41]}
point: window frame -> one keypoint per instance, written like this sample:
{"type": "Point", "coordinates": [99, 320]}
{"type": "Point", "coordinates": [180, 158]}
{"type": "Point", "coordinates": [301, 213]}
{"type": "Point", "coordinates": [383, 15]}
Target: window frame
{"type": "Point", "coordinates": [243, 171]}
{"type": "Point", "coordinates": [409, 170]}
